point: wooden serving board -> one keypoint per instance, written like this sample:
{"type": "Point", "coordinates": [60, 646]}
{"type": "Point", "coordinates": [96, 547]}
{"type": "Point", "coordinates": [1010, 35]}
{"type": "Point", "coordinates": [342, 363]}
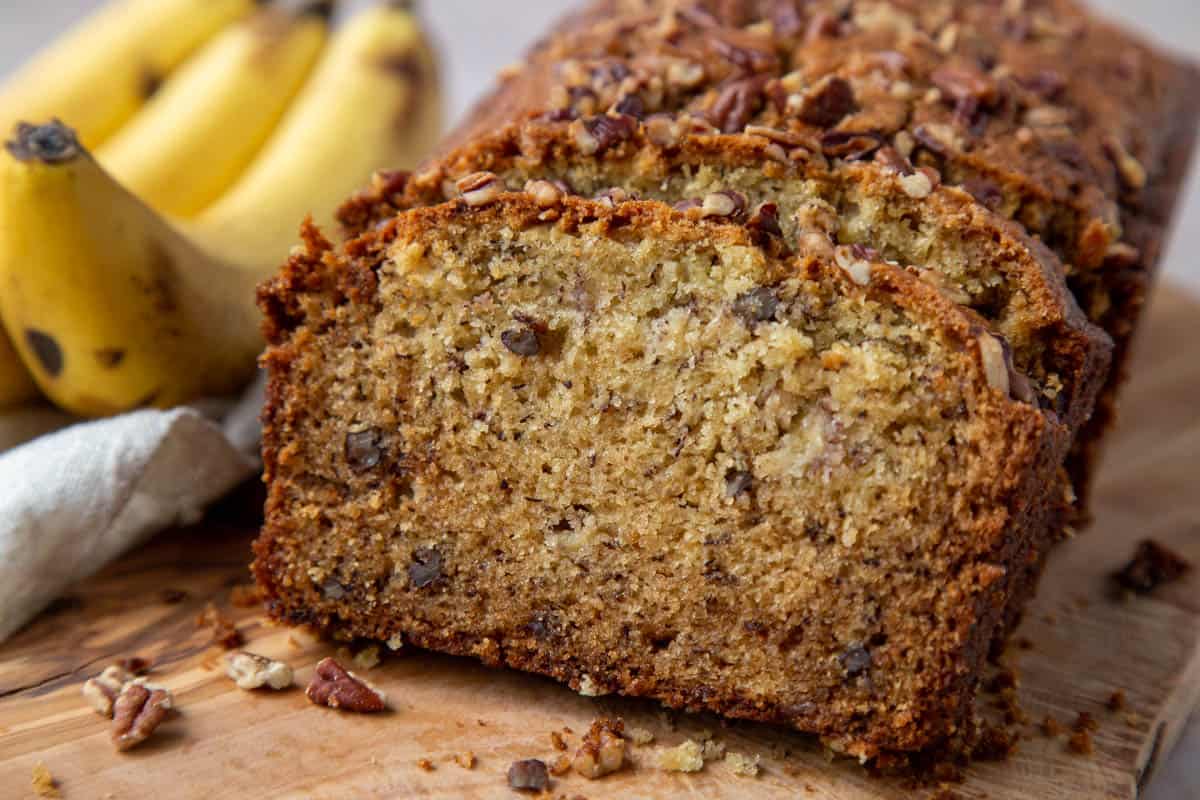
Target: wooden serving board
{"type": "Point", "coordinates": [1085, 645]}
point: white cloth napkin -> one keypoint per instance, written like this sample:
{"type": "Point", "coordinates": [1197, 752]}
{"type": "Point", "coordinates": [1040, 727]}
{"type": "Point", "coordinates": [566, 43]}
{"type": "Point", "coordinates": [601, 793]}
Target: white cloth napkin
{"type": "Point", "coordinates": [74, 500]}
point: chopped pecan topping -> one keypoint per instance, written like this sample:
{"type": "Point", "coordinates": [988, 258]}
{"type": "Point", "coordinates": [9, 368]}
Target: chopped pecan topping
{"type": "Point", "coordinates": [891, 158]}
{"type": "Point", "coordinates": [333, 686]}
{"type": "Point", "coordinates": [602, 750]}
{"type": "Point", "coordinates": [480, 188]}
{"type": "Point", "coordinates": [595, 135]}
{"type": "Point", "coordinates": [137, 713]}
{"type": "Point", "coordinates": [663, 131]}
{"type": "Point", "coordinates": [917, 185]}
{"type": "Point", "coordinates": [828, 103]}
{"type": "Point", "coordinates": [252, 671]}
{"type": "Point", "coordinates": [995, 362]}
{"type": "Point", "coordinates": [737, 104]}
{"type": "Point", "coordinates": [849, 145]}
{"type": "Point", "coordinates": [738, 482]}
{"type": "Point", "coordinates": [745, 51]}
{"type": "Point", "coordinates": [544, 193]}
{"type": "Point", "coordinates": [1130, 170]}
{"type": "Point", "coordinates": [786, 18]}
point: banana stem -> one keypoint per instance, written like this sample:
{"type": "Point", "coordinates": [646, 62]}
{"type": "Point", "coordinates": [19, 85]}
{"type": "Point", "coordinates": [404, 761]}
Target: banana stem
{"type": "Point", "coordinates": [54, 143]}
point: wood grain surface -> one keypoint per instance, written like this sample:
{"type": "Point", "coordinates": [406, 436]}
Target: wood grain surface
{"type": "Point", "coordinates": [1084, 645]}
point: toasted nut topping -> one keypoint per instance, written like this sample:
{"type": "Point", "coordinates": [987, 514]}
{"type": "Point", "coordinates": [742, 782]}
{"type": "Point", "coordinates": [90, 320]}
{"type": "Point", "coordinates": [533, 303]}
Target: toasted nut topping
{"type": "Point", "coordinates": [252, 671]}
{"type": "Point", "coordinates": [858, 269]}
{"type": "Point", "coordinates": [1048, 117]}
{"type": "Point", "coordinates": [602, 751]}
{"type": "Point", "coordinates": [544, 193]}
{"type": "Point", "coordinates": [333, 686]}
{"type": "Point", "coordinates": [995, 363]}
{"type": "Point", "coordinates": [917, 186]}
{"type": "Point", "coordinates": [1132, 173]}
{"type": "Point", "coordinates": [723, 204]}
{"type": "Point", "coordinates": [137, 713]}
{"type": "Point", "coordinates": [663, 130]}
{"type": "Point", "coordinates": [479, 188]}
{"type": "Point", "coordinates": [685, 74]}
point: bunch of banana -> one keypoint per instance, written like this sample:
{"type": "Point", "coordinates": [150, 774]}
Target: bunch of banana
{"type": "Point", "coordinates": [128, 271]}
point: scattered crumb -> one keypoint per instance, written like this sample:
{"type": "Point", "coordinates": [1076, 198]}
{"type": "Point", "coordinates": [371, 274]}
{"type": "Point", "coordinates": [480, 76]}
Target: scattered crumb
{"type": "Point", "coordinates": [43, 782]}
{"type": "Point", "coordinates": [1152, 565]}
{"type": "Point", "coordinates": [245, 596]}
{"type": "Point", "coordinates": [1025, 643]}
{"type": "Point", "coordinates": [136, 664]}
{"type": "Point", "coordinates": [1116, 701]}
{"type": "Point", "coordinates": [589, 688]}
{"type": "Point", "coordinates": [426, 764]}
{"type": "Point", "coordinates": [173, 596]}
{"type": "Point", "coordinates": [1085, 722]}
{"type": "Point", "coordinates": [560, 766]}
{"type": "Point", "coordinates": [557, 741]}
{"type": "Point", "coordinates": [746, 766]}
{"type": "Point", "coordinates": [1050, 726]}
{"type": "Point", "coordinates": [995, 744]}
{"type": "Point", "coordinates": [1004, 679]}
{"type": "Point", "coordinates": [224, 632]}
{"type": "Point", "coordinates": [481, 723]}
{"type": "Point", "coordinates": [713, 750]}
{"type": "Point", "coordinates": [466, 760]}
{"type": "Point", "coordinates": [395, 643]}
{"type": "Point", "coordinates": [528, 775]}
{"type": "Point", "coordinates": [639, 736]}
{"type": "Point", "coordinates": [602, 750]}
{"type": "Point", "coordinates": [367, 658]}
{"type": "Point", "coordinates": [687, 757]}
{"type": "Point", "coordinates": [1080, 743]}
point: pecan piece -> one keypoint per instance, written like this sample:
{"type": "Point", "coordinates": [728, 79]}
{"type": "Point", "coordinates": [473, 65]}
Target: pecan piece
{"type": "Point", "coordinates": [596, 134]}
{"type": "Point", "coordinates": [1151, 566]}
{"type": "Point", "coordinates": [333, 686]}
{"type": "Point", "coordinates": [828, 103]}
{"type": "Point", "coordinates": [104, 689]}
{"type": "Point", "coordinates": [252, 671]}
{"type": "Point", "coordinates": [137, 713]}
{"type": "Point", "coordinates": [479, 188]}
{"type": "Point", "coordinates": [602, 750]}
{"type": "Point", "coordinates": [849, 145]}
{"type": "Point", "coordinates": [529, 775]}
{"type": "Point", "coordinates": [737, 103]}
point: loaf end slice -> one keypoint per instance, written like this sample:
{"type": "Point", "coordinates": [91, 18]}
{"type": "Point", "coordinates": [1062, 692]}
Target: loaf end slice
{"type": "Point", "coordinates": [651, 456]}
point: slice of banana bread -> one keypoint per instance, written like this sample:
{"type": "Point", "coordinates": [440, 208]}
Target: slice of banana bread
{"type": "Point", "coordinates": [1045, 113]}
{"type": "Point", "coordinates": [655, 455]}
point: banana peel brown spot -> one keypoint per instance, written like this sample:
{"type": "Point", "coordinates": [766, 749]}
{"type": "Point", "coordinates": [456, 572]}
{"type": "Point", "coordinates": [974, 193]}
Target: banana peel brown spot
{"type": "Point", "coordinates": [110, 357]}
{"type": "Point", "coordinates": [151, 81]}
{"type": "Point", "coordinates": [46, 350]}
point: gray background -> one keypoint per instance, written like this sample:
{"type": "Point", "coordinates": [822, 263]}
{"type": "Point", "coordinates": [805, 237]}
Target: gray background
{"type": "Point", "coordinates": [479, 36]}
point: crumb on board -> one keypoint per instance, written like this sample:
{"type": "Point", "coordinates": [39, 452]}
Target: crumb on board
{"type": "Point", "coordinates": [426, 764]}
{"type": "Point", "coordinates": [1080, 743]}
{"type": "Point", "coordinates": [687, 757]}
{"type": "Point", "coordinates": [557, 741]}
{"type": "Point", "coordinates": [1085, 722]}
{"type": "Point", "coordinates": [1024, 643]}
{"type": "Point", "coordinates": [245, 596]}
{"type": "Point", "coordinates": [560, 766]}
{"type": "Point", "coordinates": [743, 765]}
{"type": "Point", "coordinates": [1151, 566]}
{"type": "Point", "coordinates": [713, 750]}
{"type": "Point", "coordinates": [43, 783]}
{"type": "Point", "coordinates": [466, 759]}
{"type": "Point", "coordinates": [1050, 727]}
{"type": "Point", "coordinates": [173, 597]}
{"type": "Point", "coordinates": [224, 632]}
{"type": "Point", "coordinates": [995, 744]}
{"type": "Point", "coordinates": [1116, 701]}
{"type": "Point", "coordinates": [639, 736]}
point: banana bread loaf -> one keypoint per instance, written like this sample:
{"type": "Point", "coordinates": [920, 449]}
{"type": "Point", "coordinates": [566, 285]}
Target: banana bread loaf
{"type": "Point", "coordinates": [727, 354]}
{"type": "Point", "coordinates": [1043, 112]}
{"type": "Point", "coordinates": [647, 454]}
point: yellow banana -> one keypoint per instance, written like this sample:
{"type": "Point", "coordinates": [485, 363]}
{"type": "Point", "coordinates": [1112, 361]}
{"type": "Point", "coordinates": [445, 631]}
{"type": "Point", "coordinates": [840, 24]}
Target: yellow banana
{"type": "Point", "coordinates": [112, 307]}
{"type": "Point", "coordinates": [109, 306]}
{"type": "Point", "coordinates": [374, 101]}
{"type": "Point", "coordinates": [16, 384]}
{"type": "Point", "coordinates": [203, 128]}
{"type": "Point", "coordinates": [97, 76]}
